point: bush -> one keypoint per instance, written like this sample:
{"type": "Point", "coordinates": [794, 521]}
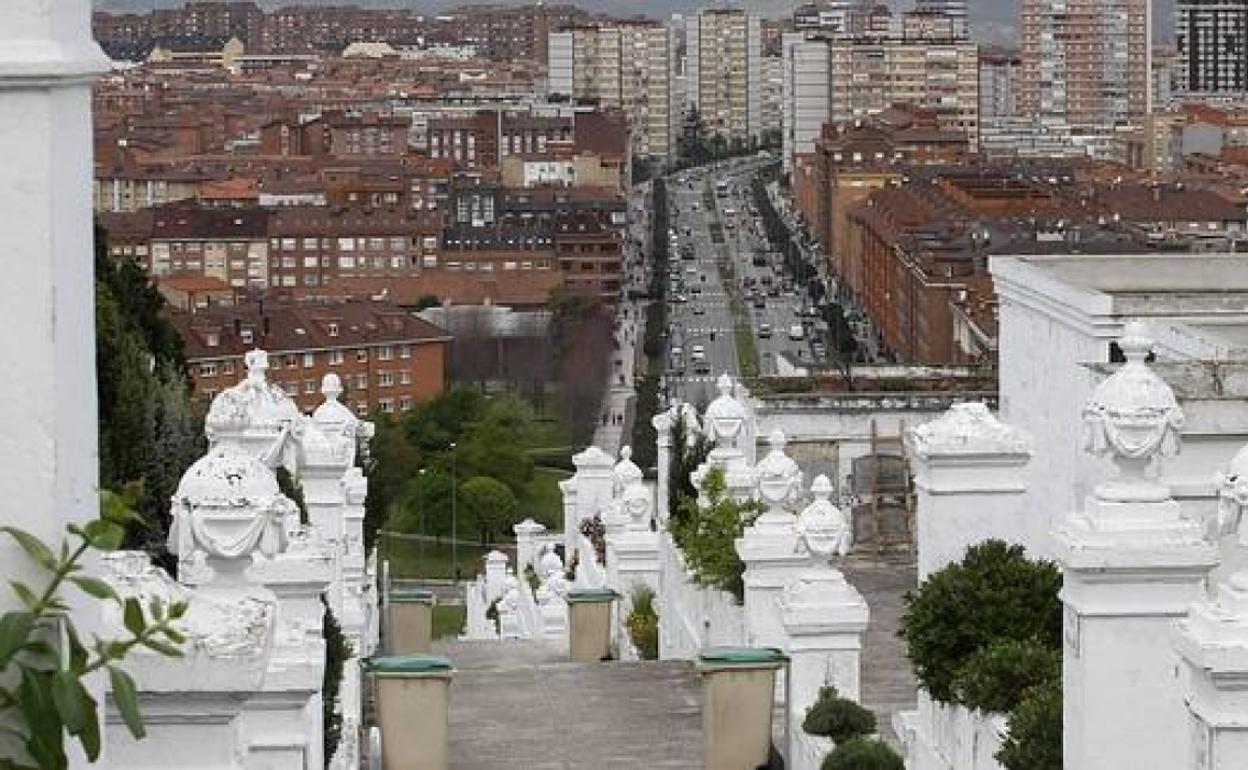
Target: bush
{"type": "Point", "coordinates": [707, 536]}
{"type": "Point", "coordinates": [995, 593]}
{"type": "Point", "coordinates": [840, 719]}
{"type": "Point", "coordinates": [1034, 740]}
{"type": "Point", "coordinates": [337, 652]}
{"type": "Point", "coordinates": [643, 624]}
{"type": "Point", "coordinates": [863, 754]}
{"type": "Point", "coordinates": [997, 677]}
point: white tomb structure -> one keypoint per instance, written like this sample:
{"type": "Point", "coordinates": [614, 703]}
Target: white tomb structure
{"type": "Point", "coordinates": [255, 577]}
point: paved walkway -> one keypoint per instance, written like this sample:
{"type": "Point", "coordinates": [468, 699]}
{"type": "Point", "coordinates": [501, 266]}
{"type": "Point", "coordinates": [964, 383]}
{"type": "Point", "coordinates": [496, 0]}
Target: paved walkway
{"type": "Point", "coordinates": [888, 684]}
{"type": "Point", "coordinates": [518, 704]}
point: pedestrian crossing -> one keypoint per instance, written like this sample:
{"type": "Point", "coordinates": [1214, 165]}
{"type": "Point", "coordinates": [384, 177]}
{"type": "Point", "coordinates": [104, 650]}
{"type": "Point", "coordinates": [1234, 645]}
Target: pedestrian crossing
{"type": "Point", "coordinates": [695, 330]}
{"type": "Point", "coordinates": [695, 380]}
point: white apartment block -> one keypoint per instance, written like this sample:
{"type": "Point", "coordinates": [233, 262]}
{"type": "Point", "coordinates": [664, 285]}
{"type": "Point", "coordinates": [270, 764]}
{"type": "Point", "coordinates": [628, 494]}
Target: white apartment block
{"type": "Point", "coordinates": [724, 72]}
{"type": "Point", "coordinates": [621, 66]}
{"type": "Point", "coordinates": [807, 96]}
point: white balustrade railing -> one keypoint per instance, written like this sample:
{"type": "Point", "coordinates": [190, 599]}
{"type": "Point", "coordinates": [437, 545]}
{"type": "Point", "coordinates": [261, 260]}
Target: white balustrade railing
{"type": "Point", "coordinates": [940, 735]}
{"type": "Point", "coordinates": [691, 616]}
{"type": "Point", "coordinates": [476, 604]}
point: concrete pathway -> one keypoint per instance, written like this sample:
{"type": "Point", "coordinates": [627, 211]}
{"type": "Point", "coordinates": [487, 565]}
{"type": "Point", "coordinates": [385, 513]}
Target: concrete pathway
{"type": "Point", "coordinates": [522, 704]}
{"type": "Point", "coordinates": [888, 683]}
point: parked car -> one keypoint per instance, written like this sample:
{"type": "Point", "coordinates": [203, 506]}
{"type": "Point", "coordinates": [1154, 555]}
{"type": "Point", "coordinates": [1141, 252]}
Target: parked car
{"type": "Point", "coordinates": [797, 333]}
{"type": "Point", "coordinates": [764, 331]}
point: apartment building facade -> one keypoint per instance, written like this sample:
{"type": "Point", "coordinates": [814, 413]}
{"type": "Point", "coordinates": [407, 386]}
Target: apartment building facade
{"type": "Point", "coordinates": [622, 66]}
{"type": "Point", "coordinates": [723, 70]}
{"type": "Point", "coordinates": [1212, 38]}
{"type": "Point", "coordinates": [1086, 63]}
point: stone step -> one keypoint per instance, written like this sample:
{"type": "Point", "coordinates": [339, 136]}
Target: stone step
{"type": "Point", "coordinates": [523, 704]}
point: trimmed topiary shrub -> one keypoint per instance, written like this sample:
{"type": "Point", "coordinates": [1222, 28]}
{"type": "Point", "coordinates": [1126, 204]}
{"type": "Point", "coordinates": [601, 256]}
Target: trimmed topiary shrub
{"type": "Point", "coordinates": [995, 593]}
{"type": "Point", "coordinates": [863, 754]}
{"type": "Point", "coordinates": [1034, 740]}
{"type": "Point", "coordinates": [837, 718]}
{"type": "Point", "coordinates": [997, 677]}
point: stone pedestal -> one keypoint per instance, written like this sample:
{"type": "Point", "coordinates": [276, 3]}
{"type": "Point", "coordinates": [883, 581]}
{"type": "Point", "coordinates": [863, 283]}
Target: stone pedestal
{"type": "Point", "coordinates": [593, 484]}
{"type": "Point", "coordinates": [663, 436]}
{"type": "Point", "coordinates": [526, 544]}
{"type": "Point", "coordinates": [1123, 591]}
{"type": "Point", "coordinates": [1132, 567]}
{"type": "Point", "coordinates": [774, 557]}
{"type": "Point", "coordinates": [1213, 645]}
{"type": "Point", "coordinates": [495, 575]}
{"type": "Point", "coordinates": [968, 473]}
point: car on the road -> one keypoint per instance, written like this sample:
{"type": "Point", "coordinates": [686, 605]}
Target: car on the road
{"type": "Point", "coordinates": [695, 289]}
{"type": "Point", "coordinates": [691, 270]}
{"type": "Point", "coordinates": [819, 349]}
{"type": "Point", "coordinates": [702, 367]}
{"type": "Point", "coordinates": [760, 303]}
{"type": "Point", "coordinates": [797, 333]}
{"type": "Point", "coordinates": [699, 310]}
{"type": "Point", "coordinates": [697, 353]}
{"type": "Point", "coordinates": [764, 331]}
{"type": "Point", "coordinates": [680, 298]}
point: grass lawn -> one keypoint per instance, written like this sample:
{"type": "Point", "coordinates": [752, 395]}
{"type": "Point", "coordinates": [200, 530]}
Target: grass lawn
{"type": "Point", "coordinates": [448, 620]}
{"type": "Point", "coordinates": [422, 560]}
{"type": "Point", "coordinates": [747, 353]}
{"type": "Point", "coordinates": [542, 500]}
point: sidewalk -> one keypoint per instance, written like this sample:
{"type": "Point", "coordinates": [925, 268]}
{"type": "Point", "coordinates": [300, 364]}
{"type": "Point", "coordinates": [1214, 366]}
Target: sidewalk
{"type": "Point", "coordinates": [613, 425]}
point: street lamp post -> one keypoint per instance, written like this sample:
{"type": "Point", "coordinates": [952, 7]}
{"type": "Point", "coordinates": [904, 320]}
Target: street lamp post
{"type": "Point", "coordinates": [455, 511]}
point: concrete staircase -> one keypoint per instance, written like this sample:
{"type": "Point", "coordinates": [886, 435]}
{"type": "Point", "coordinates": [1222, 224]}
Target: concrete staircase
{"type": "Point", "coordinates": [522, 704]}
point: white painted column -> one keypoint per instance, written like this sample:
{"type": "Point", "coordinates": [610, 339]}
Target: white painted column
{"type": "Point", "coordinates": [47, 309]}
{"type": "Point", "coordinates": [48, 448]}
{"type": "Point", "coordinates": [663, 432]}
{"type": "Point", "coordinates": [968, 473]}
{"type": "Point", "coordinates": [1133, 565]}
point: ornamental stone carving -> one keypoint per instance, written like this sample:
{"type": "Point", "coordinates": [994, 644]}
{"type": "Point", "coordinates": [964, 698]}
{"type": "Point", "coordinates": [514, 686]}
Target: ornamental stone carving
{"type": "Point", "coordinates": [228, 507]}
{"type": "Point", "coordinates": [823, 528]}
{"type": "Point", "coordinates": [338, 422]}
{"type": "Point", "coordinates": [255, 414]}
{"type": "Point", "coordinates": [1133, 417]}
{"type": "Point", "coordinates": [778, 474]}
{"type": "Point", "coordinates": [626, 471]}
{"type": "Point", "coordinates": [725, 417]}
{"type": "Point", "coordinates": [1232, 505]}
{"type": "Point", "coordinates": [637, 505]}
{"type": "Point", "coordinates": [968, 428]}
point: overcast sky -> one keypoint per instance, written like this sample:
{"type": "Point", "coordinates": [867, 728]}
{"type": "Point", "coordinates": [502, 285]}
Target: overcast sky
{"type": "Point", "coordinates": [991, 20]}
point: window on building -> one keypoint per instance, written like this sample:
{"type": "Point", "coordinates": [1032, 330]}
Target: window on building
{"type": "Point", "coordinates": [333, 330]}
{"type": "Point", "coordinates": [385, 379]}
{"type": "Point", "coordinates": [227, 367]}
{"type": "Point", "coordinates": [405, 377]}
{"type": "Point", "coordinates": [405, 404]}
{"type": "Point", "coordinates": [386, 405]}
{"type": "Point", "coordinates": [291, 388]}
{"type": "Point", "coordinates": [212, 339]}
{"type": "Point", "coordinates": [405, 351]}
{"type": "Point", "coordinates": [335, 358]}
{"type": "Point", "coordinates": [309, 386]}
{"type": "Point", "coordinates": [385, 353]}
{"type": "Point", "coordinates": [346, 244]}
{"type": "Point", "coordinates": [308, 360]}
{"type": "Point", "coordinates": [361, 382]}
{"type": "Point", "coordinates": [361, 355]}
{"type": "Point", "coordinates": [208, 370]}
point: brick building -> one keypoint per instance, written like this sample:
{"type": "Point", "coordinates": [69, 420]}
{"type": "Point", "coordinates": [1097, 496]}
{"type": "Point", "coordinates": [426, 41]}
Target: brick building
{"type": "Point", "coordinates": [388, 359]}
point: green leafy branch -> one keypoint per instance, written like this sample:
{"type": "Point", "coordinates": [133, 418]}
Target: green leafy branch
{"type": "Point", "coordinates": [44, 661]}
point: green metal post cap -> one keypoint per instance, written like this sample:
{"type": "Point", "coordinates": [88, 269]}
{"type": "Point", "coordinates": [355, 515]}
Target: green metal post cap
{"type": "Point", "coordinates": [399, 595]}
{"type": "Point", "coordinates": [743, 656]}
{"type": "Point", "coordinates": [407, 664]}
{"type": "Point", "coordinates": [591, 595]}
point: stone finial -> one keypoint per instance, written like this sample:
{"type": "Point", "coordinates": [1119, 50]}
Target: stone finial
{"type": "Point", "coordinates": [778, 474]}
{"type": "Point", "coordinates": [228, 507]}
{"type": "Point", "coordinates": [549, 562]}
{"type": "Point", "coordinates": [254, 413]}
{"type": "Point", "coordinates": [1133, 417]}
{"type": "Point", "coordinates": [725, 416]}
{"type": "Point", "coordinates": [966, 429]}
{"type": "Point", "coordinates": [824, 529]}
{"type": "Point", "coordinates": [1232, 505]}
{"type": "Point", "coordinates": [343, 433]}
{"type": "Point", "coordinates": [626, 471]}
{"type": "Point", "coordinates": [331, 387]}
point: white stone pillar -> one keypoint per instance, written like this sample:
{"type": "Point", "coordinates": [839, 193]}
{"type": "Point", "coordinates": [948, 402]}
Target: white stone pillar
{"type": "Point", "coordinates": [1132, 567]}
{"type": "Point", "coordinates": [495, 575]}
{"type": "Point", "coordinates": [1213, 644]}
{"type": "Point", "coordinates": [663, 436]}
{"type": "Point", "coordinates": [771, 548]}
{"type": "Point", "coordinates": [47, 309]}
{"type": "Point", "coordinates": [47, 300]}
{"type": "Point", "coordinates": [526, 544]}
{"type": "Point", "coordinates": [567, 488]}
{"type": "Point", "coordinates": [968, 473]}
